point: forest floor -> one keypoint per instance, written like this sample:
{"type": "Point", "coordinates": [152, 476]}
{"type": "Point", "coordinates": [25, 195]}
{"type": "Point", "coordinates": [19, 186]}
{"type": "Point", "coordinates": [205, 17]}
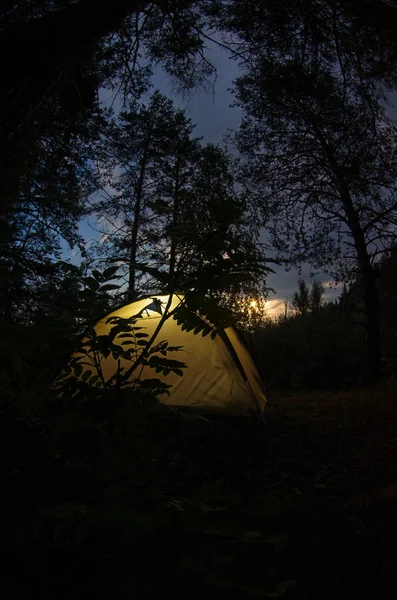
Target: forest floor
{"type": "Point", "coordinates": [302, 505]}
{"type": "Point", "coordinates": [315, 488]}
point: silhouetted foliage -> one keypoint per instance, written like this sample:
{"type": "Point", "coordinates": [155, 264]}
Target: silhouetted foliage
{"type": "Point", "coordinates": [301, 299]}
{"type": "Point", "coordinates": [322, 346]}
{"type": "Point", "coordinates": [318, 154]}
{"type": "Point", "coordinates": [319, 350]}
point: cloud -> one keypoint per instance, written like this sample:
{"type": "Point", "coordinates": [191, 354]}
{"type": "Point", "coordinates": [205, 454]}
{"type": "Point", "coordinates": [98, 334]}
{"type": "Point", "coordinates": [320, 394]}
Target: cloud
{"type": "Point", "coordinates": [274, 307]}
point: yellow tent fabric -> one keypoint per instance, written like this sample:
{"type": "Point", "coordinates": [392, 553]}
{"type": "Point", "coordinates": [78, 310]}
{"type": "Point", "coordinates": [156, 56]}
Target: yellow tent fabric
{"type": "Point", "coordinates": [221, 375]}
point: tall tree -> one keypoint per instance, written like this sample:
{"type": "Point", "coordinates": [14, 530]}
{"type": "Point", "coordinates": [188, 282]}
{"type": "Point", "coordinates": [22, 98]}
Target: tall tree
{"type": "Point", "coordinates": [213, 247]}
{"type": "Point", "coordinates": [316, 296]}
{"type": "Point", "coordinates": [44, 199]}
{"type": "Point", "coordinates": [320, 153]}
{"type": "Point", "coordinates": [138, 141]}
{"type": "Point", "coordinates": [306, 300]}
{"type": "Point", "coordinates": [176, 220]}
{"type": "Point", "coordinates": [301, 299]}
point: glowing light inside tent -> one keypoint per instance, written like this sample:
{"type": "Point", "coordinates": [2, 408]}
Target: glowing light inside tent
{"type": "Point", "coordinates": [156, 306]}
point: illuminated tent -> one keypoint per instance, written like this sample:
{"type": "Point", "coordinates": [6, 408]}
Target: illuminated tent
{"type": "Point", "coordinates": [221, 374]}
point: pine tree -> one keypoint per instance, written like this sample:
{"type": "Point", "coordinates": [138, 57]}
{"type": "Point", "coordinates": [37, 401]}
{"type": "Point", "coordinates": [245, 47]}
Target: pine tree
{"type": "Point", "coordinates": [301, 299]}
{"type": "Point", "coordinates": [316, 296]}
{"type": "Point", "coordinates": [176, 221]}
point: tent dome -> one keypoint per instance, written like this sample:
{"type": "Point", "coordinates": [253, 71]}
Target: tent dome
{"type": "Point", "coordinates": [220, 375]}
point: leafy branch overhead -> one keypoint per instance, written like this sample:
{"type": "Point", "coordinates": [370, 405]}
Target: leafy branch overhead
{"type": "Point", "coordinates": [129, 346]}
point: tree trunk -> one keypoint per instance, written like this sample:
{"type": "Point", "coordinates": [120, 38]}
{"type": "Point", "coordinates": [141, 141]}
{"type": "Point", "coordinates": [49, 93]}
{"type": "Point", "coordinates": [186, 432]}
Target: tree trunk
{"type": "Point", "coordinates": [131, 294]}
{"type": "Point", "coordinates": [371, 295]}
{"type": "Point", "coordinates": [174, 228]}
{"type": "Point", "coordinates": [372, 304]}
{"type": "Point", "coordinates": [368, 274]}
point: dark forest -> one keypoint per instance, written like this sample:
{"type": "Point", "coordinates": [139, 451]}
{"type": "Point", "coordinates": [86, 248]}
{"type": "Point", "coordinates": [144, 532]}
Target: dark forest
{"type": "Point", "coordinates": [162, 431]}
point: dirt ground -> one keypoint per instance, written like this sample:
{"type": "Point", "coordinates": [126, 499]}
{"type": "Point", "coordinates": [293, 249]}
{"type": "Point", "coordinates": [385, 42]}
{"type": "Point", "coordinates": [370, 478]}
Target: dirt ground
{"type": "Point", "coordinates": [300, 505]}
{"type": "Point", "coordinates": [318, 478]}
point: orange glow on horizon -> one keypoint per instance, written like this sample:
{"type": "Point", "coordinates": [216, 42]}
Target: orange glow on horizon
{"type": "Point", "coordinates": [274, 307]}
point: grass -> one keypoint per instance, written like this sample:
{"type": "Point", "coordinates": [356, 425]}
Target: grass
{"type": "Point", "coordinates": [300, 506]}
